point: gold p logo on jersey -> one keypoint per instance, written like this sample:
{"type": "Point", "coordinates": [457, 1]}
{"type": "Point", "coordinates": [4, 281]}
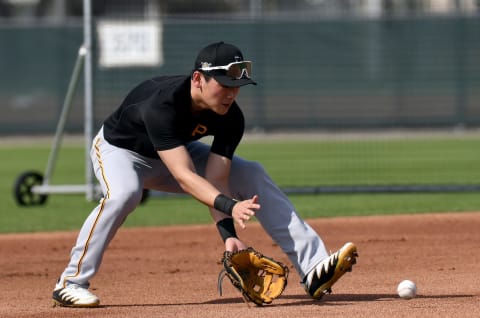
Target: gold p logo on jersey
{"type": "Point", "coordinates": [200, 129]}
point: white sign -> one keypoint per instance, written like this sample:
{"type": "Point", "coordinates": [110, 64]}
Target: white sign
{"type": "Point", "coordinates": [124, 44]}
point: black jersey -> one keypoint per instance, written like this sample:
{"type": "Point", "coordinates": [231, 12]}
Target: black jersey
{"type": "Point", "coordinates": [156, 115]}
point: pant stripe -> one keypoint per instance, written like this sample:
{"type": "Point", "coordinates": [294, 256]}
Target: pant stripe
{"type": "Point", "coordinates": [100, 211]}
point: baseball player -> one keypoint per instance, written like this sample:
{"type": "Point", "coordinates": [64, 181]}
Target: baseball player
{"type": "Point", "coordinates": [151, 142]}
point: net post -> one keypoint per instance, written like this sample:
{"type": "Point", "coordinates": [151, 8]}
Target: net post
{"type": "Point", "coordinates": [88, 91]}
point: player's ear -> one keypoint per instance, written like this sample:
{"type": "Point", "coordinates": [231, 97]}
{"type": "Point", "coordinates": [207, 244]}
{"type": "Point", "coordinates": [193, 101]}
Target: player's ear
{"type": "Point", "coordinates": [197, 79]}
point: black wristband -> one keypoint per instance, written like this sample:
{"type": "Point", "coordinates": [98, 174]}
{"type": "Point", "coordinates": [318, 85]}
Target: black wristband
{"type": "Point", "coordinates": [224, 204]}
{"type": "Point", "coordinates": [226, 228]}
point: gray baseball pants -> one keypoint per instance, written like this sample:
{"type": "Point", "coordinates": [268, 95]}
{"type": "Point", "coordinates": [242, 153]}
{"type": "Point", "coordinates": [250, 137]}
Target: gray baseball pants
{"type": "Point", "coordinates": [124, 174]}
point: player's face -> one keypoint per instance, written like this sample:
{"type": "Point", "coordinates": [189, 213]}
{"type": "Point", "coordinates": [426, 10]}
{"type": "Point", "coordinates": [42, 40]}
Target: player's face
{"type": "Point", "coordinates": [218, 98]}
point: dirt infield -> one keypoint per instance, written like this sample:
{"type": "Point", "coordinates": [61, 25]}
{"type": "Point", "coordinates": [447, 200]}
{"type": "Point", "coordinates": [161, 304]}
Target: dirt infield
{"type": "Point", "coordinates": [172, 271]}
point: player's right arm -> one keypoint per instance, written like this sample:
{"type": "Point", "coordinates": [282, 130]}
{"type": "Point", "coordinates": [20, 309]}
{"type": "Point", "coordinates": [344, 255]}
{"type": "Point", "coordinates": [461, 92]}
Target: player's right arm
{"type": "Point", "coordinates": [180, 165]}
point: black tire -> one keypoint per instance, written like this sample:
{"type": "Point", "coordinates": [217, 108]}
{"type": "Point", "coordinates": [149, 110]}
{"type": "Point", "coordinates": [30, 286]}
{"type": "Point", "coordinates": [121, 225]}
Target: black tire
{"type": "Point", "coordinates": [22, 190]}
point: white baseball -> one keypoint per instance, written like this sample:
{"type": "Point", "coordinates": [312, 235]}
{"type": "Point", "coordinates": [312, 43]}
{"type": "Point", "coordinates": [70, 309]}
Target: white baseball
{"type": "Point", "coordinates": [407, 289]}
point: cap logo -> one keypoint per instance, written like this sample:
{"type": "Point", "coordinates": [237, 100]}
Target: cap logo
{"type": "Point", "coordinates": [205, 64]}
{"type": "Point", "coordinates": [237, 58]}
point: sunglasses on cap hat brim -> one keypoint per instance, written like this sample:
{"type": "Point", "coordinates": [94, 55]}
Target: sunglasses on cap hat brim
{"type": "Point", "coordinates": [234, 70]}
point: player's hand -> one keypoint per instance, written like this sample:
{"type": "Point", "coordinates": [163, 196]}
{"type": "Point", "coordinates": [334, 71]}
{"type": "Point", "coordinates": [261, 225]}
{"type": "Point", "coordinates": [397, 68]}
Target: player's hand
{"type": "Point", "coordinates": [244, 210]}
{"type": "Point", "coordinates": [233, 244]}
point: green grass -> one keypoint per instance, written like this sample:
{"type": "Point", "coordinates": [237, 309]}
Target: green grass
{"type": "Point", "coordinates": [397, 161]}
{"type": "Point", "coordinates": [290, 163]}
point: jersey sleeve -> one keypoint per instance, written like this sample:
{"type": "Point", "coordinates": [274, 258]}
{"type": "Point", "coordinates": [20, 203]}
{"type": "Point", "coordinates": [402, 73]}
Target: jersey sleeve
{"type": "Point", "coordinates": [160, 125]}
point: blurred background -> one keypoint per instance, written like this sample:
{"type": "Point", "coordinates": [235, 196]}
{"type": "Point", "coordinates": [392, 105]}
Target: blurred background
{"type": "Point", "coordinates": [321, 65]}
{"type": "Point", "coordinates": [386, 93]}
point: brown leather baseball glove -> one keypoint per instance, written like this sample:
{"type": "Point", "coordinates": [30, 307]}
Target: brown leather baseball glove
{"type": "Point", "coordinates": [260, 279]}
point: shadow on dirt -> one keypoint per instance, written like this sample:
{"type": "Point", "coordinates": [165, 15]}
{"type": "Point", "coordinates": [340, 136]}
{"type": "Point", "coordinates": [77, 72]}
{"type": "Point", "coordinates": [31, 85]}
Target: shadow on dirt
{"type": "Point", "coordinates": [302, 300]}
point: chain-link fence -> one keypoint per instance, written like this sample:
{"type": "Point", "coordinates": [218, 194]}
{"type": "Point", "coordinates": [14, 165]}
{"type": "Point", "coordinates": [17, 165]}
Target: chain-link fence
{"type": "Point", "coordinates": [315, 72]}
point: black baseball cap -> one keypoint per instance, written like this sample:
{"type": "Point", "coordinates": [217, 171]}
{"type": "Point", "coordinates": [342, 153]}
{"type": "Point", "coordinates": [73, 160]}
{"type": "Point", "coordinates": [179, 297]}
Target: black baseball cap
{"type": "Point", "coordinates": [220, 59]}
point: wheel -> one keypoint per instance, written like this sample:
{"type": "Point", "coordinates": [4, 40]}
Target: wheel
{"type": "Point", "coordinates": [23, 189]}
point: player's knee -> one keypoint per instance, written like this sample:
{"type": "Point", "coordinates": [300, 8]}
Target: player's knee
{"type": "Point", "coordinates": [256, 168]}
{"type": "Point", "coordinates": [247, 170]}
{"type": "Point", "coordinates": [127, 199]}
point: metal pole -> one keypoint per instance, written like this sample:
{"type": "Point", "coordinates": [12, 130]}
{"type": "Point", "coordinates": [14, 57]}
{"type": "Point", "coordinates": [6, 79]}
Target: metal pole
{"type": "Point", "coordinates": [87, 34]}
{"type": "Point", "coordinates": [67, 105]}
